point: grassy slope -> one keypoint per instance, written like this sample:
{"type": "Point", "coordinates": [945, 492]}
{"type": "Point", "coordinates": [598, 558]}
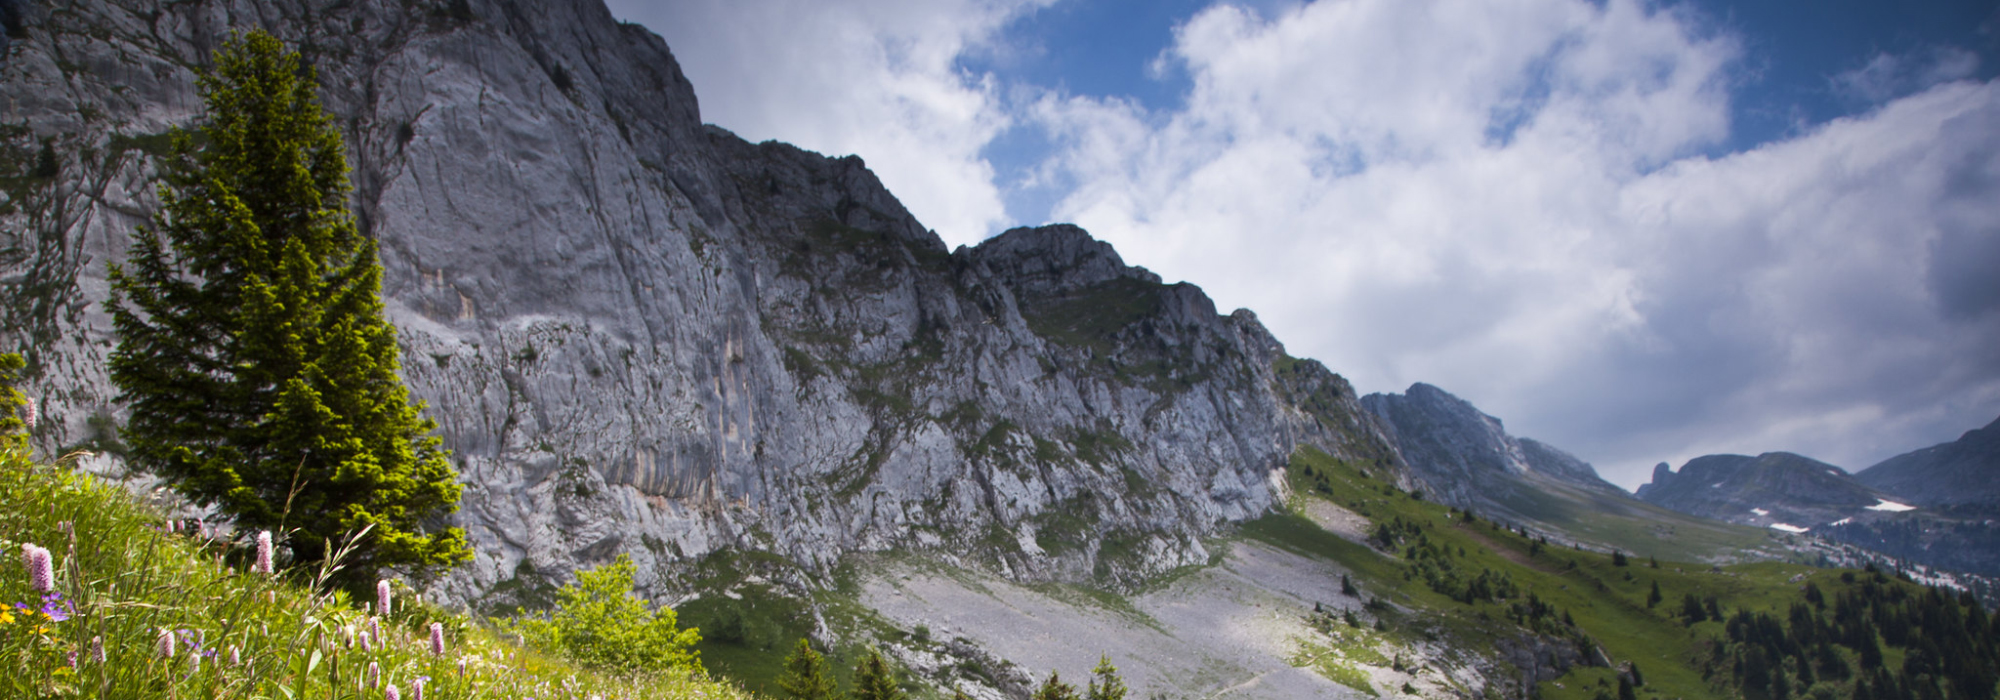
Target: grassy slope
{"type": "Point", "coordinates": [124, 579]}
{"type": "Point", "coordinates": [1607, 601]}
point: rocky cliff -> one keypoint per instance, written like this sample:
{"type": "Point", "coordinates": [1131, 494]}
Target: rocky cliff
{"type": "Point", "coordinates": [643, 335]}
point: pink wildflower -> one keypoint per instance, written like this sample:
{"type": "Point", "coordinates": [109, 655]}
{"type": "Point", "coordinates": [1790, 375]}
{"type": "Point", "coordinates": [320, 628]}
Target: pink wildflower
{"type": "Point", "coordinates": [437, 639]}
{"type": "Point", "coordinates": [374, 674]}
{"type": "Point", "coordinates": [167, 644]}
{"type": "Point", "coordinates": [235, 656]}
{"type": "Point", "coordinates": [382, 597]}
{"type": "Point", "coordinates": [97, 649]}
{"type": "Point", "coordinates": [264, 552]}
{"type": "Point", "coordinates": [41, 567]}
{"type": "Point", "coordinates": [392, 693]}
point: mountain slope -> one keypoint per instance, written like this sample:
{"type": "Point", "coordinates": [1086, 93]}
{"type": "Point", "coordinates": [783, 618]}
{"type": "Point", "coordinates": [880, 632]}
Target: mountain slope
{"type": "Point", "coordinates": [1465, 458]}
{"type": "Point", "coordinates": [1775, 488]}
{"type": "Point", "coordinates": [1965, 471]}
{"type": "Point", "coordinates": [643, 335]}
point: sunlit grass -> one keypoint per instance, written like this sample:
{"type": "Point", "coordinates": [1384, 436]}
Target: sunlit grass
{"type": "Point", "coordinates": [127, 591]}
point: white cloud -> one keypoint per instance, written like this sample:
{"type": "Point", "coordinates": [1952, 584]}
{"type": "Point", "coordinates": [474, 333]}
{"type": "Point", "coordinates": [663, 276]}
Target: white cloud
{"type": "Point", "coordinates": [1510, 200]}
{"type": "Point", "coordinates": [875, 79]}
{"type": "Point", "coordinates": [1888, 76]}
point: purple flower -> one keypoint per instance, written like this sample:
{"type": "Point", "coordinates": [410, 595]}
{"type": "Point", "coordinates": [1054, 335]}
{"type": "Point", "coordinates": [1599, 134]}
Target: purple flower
{"type": "Point", "coordinates": [97, 649]}
{"type": "Point", "coordinates": [56, 608]}
{"type": "Point", "coordinates": [263, 552]}
{"type": "Point", "coordinates": [382, 597]}
{"type": "Point", "coordinates": [392, 693]}
{"type": "Point", "coordinates": [235, 656]}
{"type": "Point", "coordinates": [437, 639]}
{"type": "Point", "coordinates": [41, 567]}
{"type": "Point", "coordinates": [166, 644]}
{"type": "Point", "coordinates": [417, 688]}
{"type": "Point", "coordinates": [374, 674]}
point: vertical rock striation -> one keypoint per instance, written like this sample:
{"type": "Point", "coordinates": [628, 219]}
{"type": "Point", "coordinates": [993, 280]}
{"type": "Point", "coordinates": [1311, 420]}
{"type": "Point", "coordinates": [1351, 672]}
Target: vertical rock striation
{"type": "Point", "coordinates": [643, 335]}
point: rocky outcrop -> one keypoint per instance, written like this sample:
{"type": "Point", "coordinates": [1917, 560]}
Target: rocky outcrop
{"type": "Point", "coordinates": [643, 335]}
{"type": "Point", "coordinates": [1465, 458]}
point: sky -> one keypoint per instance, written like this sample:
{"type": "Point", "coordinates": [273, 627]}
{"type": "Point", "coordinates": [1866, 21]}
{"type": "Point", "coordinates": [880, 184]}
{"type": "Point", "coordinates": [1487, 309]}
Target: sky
{"type": "Point", "coordinates": [1639, 231]}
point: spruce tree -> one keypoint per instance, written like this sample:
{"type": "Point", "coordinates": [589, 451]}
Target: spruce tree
{"type": "Point", "coordinates": [806, 676]}
{"type": "Point", "coordinates": [873, 681]}
{"type": "Point", "coordinates": [1055, 689]}
{"type": "Point", "coordinates": [1105, 685]}
{"type": "Point", "coordinates": [261, 376]}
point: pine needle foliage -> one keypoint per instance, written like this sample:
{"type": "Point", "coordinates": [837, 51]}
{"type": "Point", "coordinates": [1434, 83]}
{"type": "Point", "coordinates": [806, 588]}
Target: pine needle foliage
{"type": "Point", "coordinates": [806, 676]}
{"type": "Point", "coordinates": [261, 376]}
{"type": "Point", "coordinates": [874, 681]}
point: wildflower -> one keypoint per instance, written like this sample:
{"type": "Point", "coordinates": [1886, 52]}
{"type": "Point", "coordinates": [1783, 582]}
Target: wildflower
{"type": "Point", "coordinates": [41, 567]}
{"type": "Point", "coordinates": [166, 644]}
{"type": "Point", "coordinates": [72, 658]}
{"type": "Point", "coordinates": [391, 693]}
{"type": "Point", "coordinates": [374, 675]}
{"type": "Point", "coordinates": [264, 552]}
{"type": "Point", "coordinates": [55, 608]}
{"type": "Point", "coordinates": [461, 668]}
{"type": "Point", "coordinates": [437, 639]}
{"type": "Point", "coordinates": [367, 643]}
{"type": "Point", "coordinates": [375, 628]}
{"type": "Point", "coordinates": [97, 649]}
{"type": "Point", "coordinates": [417, 688]}
{"type": "Point", "coordinates": [382, 597]}
{"type": "Point", "coordinates": [6, 614]}
{"type": "Point", "coordinates": [347, 636]}
{"type": "Point", "coordinates": [235, 656]}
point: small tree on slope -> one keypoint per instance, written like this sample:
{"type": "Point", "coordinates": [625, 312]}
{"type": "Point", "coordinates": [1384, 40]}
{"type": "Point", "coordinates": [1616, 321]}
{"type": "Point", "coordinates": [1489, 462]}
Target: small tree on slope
{"type": "Point", "coordinates": [261, 376]}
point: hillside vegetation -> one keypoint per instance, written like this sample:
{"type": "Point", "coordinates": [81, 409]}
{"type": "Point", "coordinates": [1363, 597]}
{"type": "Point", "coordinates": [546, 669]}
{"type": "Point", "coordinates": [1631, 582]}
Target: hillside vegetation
{"type": "Point", "coordinates": [143, 607]}
{"type": "Point", "coordinates": [1640, 627]}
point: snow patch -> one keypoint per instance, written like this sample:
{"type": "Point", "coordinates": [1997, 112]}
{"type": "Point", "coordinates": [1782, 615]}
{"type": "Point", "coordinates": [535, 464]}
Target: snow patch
{"type": "Point", "coordinates": [1842, 521]}
{"type": "Point", "coordinates": [1715, 485]}
{"type": "Point", "coordinates": [1794, 529]}
{"type": "Point", "coordinates": [1760, 511]}
{"type": "Point", "coordinates": [1892, 507]}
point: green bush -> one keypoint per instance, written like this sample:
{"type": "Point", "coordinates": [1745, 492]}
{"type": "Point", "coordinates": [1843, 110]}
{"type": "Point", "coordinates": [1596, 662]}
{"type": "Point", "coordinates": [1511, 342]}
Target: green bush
{"type": "Point", "coordinates": [599, 621]}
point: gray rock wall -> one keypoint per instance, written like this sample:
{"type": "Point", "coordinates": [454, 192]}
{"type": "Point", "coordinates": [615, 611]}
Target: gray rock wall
{"type": "Point", "coordinates": [642, 335]}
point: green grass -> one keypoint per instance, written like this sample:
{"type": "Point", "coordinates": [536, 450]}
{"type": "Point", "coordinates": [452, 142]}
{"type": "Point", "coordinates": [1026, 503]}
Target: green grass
{"type": "Point", "coordinates": [121, 580]}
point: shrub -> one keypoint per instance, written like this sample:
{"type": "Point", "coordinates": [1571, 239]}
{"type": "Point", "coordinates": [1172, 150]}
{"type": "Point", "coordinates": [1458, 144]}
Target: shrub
{"type": "Point", "coordinates": [599, 621]}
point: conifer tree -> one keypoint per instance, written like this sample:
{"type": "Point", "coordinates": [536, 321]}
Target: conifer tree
{"type": "Point", "coordinates": [1055, 689]}
{"type": "Point", "coordinates": [1654, 597]}
{"type": "Point", "coordinates": [13, 405]}
{"type": "Point", "coordinates": [806, 676]}
{"type": "Point", "coordinates": [873, 681]}
{"type": "Point", "coordinates": [261, 376]}
{"type": "Point", "coordinates": [1106, 685]}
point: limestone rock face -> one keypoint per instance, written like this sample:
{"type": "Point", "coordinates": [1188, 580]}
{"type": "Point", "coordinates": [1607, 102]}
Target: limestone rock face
{"type": "Point", "coordinates": [643, 335]}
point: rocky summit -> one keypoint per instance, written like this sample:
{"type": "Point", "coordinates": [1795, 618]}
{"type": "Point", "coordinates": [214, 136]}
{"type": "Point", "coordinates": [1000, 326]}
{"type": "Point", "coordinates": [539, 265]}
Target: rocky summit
{"type": "Point", "coordinates": [643, 335]}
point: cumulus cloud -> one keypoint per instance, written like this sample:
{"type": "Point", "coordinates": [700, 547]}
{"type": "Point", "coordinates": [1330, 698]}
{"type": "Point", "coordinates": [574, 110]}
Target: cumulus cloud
{"type": "Point", "coordinates": [876, 79]}
{"type": "Point", "coordinates": [1514, 201]}
{"type": "Point", "coordinates": [1888, 76]}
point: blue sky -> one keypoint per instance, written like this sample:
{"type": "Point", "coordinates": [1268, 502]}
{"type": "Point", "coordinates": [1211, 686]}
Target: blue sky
{"type": "Point", "coordinates": [1639, 231]}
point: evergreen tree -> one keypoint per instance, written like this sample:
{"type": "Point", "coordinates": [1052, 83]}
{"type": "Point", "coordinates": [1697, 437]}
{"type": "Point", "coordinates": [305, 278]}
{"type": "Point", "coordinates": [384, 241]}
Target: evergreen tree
{"type": "Point", "coordinates": [261, 376]}
{"type": "Point", "coordinates": [13, 424]}
{"type": "Point", "coordinates": [1106, 685]}
{"type": "Point", "coordinates": [1654, 597]}
{"type": "Point", "coordinates": [1055, 689]}
{"type": "Point", "coordinates": [1691, 610]}
{"type": "Point", "coordinates": [806, 676]}
{"type": "Point", "coordinates": [873, 681]}
{"type": "Point", "coordinates": [1347, 587]}
{"type": "Point", "coordinates": [1625, 691]}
